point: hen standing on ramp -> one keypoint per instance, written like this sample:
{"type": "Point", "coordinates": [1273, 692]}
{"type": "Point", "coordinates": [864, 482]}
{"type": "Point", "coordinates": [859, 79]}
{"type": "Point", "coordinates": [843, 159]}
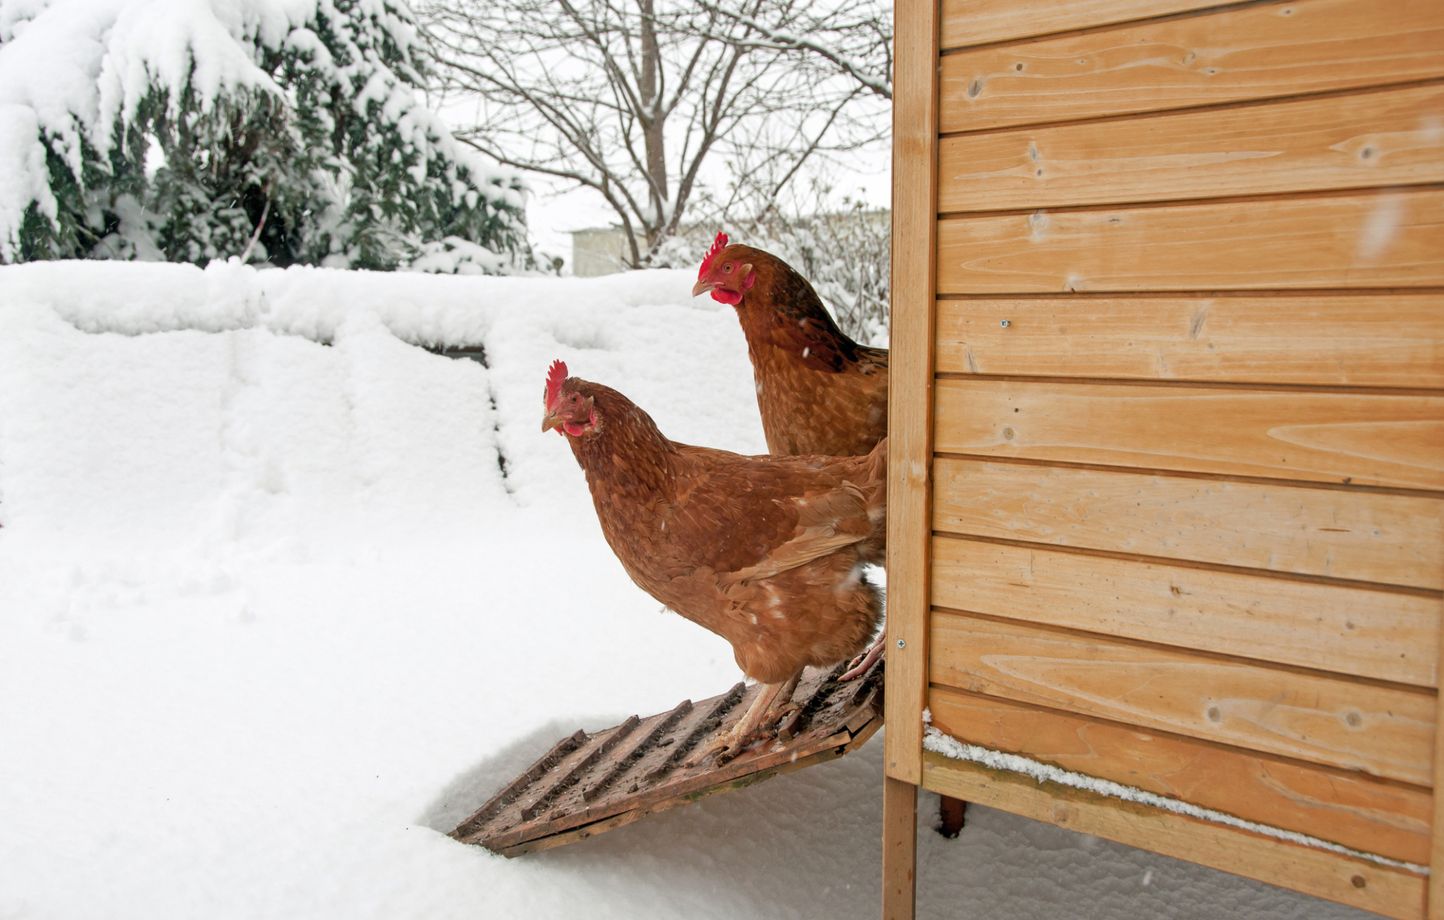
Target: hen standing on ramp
{"type": "Point", "coordinates": [766, 552]}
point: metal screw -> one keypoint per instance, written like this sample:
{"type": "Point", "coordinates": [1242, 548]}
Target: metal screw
{"type": "Point", "coordinates": [1005, 323]}
{"type": "Point", "coordinates": [902, 643]}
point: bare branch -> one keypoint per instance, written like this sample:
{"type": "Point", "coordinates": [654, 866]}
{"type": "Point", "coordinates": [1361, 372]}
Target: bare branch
{"type": "Point", "coordinates": [868, 74]}
{"type": "Point", "coordinates": [646, 101]}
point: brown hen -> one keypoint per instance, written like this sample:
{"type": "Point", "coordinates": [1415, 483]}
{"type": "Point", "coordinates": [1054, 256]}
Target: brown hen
{"type": "Point", "coordinates": [819, 391]}
{"type": "Point", "coordinates": [766, 552]}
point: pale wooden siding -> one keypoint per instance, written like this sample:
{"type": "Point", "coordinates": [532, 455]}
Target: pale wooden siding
{"type": "Point", "coordinates": [1387, 890]}
{"type": "Point", "coordinates": [978, 22]}
{"type": "Point", "coordinates": [1254, 52]}
{"type": "Point", "coordinates": [1364, 140]}
{"type": "Point", "coordinates": [1380, 635]}
{"type": "Point", "coordinates": [1345, 534]}
{"type": "Point", "coordinates": [1338, 340]}
{"type": "Point", "coordinates": [1391, 820]}
{"type": "Point", "coordinates": [1319, 436]}
{"type": "Point", "coordinates": [1384, 731]}
{"type": "Point", "coordinates": [1386, 239]}
{"type": "Point", "coordinates": [1186, 387]}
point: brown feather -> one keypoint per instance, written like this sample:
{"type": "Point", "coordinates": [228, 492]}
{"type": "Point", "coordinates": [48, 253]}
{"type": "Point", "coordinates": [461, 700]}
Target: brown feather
{"type": "Point", "coordinates": [819, 392]}
{"type": "Point", "coordinates": [767, 552]}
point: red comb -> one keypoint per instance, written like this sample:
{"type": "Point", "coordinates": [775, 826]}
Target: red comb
{"type": "Point", "coordinates": [717, 246]}
{"type": "Point", "coordinates": [556, 375]}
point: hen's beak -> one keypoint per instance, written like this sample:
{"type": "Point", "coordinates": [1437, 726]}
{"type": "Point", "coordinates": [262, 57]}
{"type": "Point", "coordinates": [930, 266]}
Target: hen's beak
{"type": "Point", "coordinates": [703, 286]}
{"type": "Point", "coordinates": [549, 422]}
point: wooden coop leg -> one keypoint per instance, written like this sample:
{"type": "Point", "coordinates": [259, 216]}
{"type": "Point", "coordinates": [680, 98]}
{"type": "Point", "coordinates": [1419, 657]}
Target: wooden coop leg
{"type": "Point", "coordinates": [899, 848]}
{"type": "Point", "coordinates": [950, 816]}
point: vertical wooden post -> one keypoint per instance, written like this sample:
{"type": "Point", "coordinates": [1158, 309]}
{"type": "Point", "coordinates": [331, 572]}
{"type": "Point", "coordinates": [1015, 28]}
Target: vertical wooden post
{"type": "Point", "coordinates": [910, 445]}
{"type": "Point", "coordinates": [910, 395]}
{"type": "Point", "coordinates": [899, 848]}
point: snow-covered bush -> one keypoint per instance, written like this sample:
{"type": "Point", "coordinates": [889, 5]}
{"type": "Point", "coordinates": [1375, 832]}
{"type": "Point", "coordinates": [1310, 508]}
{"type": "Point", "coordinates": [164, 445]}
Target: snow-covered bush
{"type": "Point", "coordinates": [282, 131]}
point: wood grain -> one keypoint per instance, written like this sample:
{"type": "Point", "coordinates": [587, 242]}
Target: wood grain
{"type": "Point", "coordinates": [1335, 721]}
{"type": "Point", "coordinates": [1259, 52]}
{"type": "Point", "coordinates": [1317, 436]}
{"type": "Point", "coordinates": [1366, 140]}
{"type": "Point", "coordinates": [1369, 886]}
{"type": "Point", "coordinates": [1344, 808]}
{"type": "Point", "coordinates": [1376, 239]}
{"type": "Point", "coordinates": [910, 398]}
{"type": "Point", "coordinates": [976, 22]}
{"type": "Point", "coordinates": [1347, 631]}
{"type": "Point", "coordinates": [1361, 536]}
{"type": "Point", "coordinates": [899, 848]}
{"type": "Point", "coordinates": [1334, 340]}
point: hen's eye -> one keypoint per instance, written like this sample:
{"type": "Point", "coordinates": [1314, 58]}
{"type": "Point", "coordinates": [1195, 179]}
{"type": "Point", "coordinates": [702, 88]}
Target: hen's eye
{"type": "Point", "coordinates": [727, 269]}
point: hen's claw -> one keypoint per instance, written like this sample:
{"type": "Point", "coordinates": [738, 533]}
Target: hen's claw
{"type": "Point", "coordinates": [771, 702]}
{"type": "Point", "coordinates": [726, 748]}
{"type": "Point", "coordinates": [860, 665]}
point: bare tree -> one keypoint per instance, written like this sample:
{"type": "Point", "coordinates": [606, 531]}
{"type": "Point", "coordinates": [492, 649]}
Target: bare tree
{"type": "Point", "coordinates": [632, 97]}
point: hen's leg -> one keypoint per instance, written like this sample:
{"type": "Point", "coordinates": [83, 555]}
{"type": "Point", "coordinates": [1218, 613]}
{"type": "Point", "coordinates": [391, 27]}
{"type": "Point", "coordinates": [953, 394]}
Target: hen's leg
{"type": "Point", "coordinates": [765, 707]}
{"type": "Point", "coordinates": [772, 698]}
{"type": "Point", "coordinates": [864, 661]}
{"type": "Point", "coordinates": [782, 703]}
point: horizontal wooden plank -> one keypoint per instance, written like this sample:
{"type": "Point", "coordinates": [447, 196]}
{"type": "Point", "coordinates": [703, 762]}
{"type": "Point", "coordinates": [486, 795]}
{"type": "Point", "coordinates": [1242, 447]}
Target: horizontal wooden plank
{"type": "Point", "coordinates": [1345, 808]}
{"type": "Point", "coordinates": [1369, 886]}
{"type": "Point", "coordinates": [1348, 631]}
{"type": "Point", "coordinates": [1362, 536]}
{"type": "Point", "coordinates": [1254, 52]}
{"type": "Point", "coordinates": [1380, 239]}
{"type": "Point", "coordinates": [1318, 436]}
{"type": "Point", "coordinates": [976, 22]}
{"type": "Point", "coordinates": [1366, 140]}
{"type": "Point", "coordinates": [1333, 340]}
{"type": "Point", "coordinates": [1318, 718]}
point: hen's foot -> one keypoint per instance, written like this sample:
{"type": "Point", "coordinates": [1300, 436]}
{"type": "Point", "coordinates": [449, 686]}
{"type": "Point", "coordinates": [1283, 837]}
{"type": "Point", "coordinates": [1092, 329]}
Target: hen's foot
{"type": "Point", "coordinates": [725, 749]}
{"type": "Point", "coordinates": [860, 665]}
{"type": "Point", "coordinates": [774, 701]}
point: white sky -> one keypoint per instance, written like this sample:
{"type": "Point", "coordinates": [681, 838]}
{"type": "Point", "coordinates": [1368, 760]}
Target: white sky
{"type": "Point", "coordinates": [552, 214]}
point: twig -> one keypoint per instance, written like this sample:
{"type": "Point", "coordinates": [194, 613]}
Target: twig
{"type": "Point", "coordinates": [260, 225]}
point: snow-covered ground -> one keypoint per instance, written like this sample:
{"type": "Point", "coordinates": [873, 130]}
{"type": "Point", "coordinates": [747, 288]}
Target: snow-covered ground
{"type": "Point", "coordinates": [284, 596]}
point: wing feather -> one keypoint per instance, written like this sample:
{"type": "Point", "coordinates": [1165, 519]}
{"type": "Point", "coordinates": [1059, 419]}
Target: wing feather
{"type": "Point", "coordinates": [825, 524]}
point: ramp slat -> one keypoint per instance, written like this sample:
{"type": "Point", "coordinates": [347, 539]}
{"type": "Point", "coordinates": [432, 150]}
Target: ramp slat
{"type": "Point", "coordinates": [590, 783]}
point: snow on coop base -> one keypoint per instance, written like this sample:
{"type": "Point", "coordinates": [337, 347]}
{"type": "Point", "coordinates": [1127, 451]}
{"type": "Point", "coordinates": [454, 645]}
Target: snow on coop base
{"type": "Point", "coordinates": [948, 746]}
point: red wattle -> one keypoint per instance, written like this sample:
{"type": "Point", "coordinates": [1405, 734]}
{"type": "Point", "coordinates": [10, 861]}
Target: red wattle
{"type": "Point", "coordinates": [721, 295]}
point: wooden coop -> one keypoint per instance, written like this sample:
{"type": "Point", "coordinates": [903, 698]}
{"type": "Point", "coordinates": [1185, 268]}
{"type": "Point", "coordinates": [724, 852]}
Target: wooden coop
{"type": "Point", "coordinates": [1167, 422]}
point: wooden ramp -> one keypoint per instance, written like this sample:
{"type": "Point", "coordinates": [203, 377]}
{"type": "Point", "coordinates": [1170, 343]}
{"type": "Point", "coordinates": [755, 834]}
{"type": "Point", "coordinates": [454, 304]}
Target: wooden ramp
{"type": "Point", "coordinates": [591, 783]}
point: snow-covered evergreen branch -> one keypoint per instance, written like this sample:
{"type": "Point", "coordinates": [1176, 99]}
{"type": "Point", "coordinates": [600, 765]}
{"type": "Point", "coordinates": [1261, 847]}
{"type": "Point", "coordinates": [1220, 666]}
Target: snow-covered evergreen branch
{"type": "Point", "coordinates": [155, 130]}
